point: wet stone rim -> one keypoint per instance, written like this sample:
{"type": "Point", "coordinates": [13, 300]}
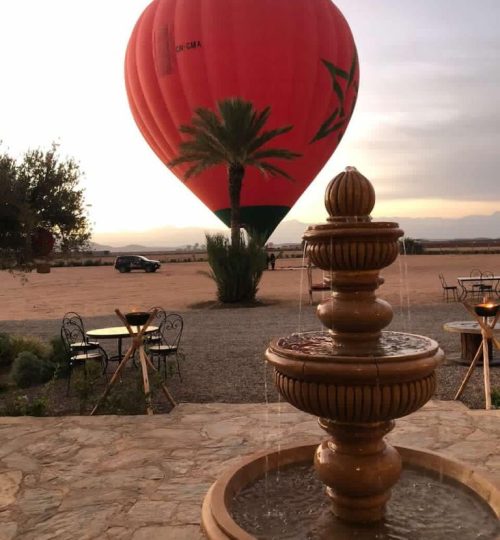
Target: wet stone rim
{"type": "Point", "coordinates": [218, 523]}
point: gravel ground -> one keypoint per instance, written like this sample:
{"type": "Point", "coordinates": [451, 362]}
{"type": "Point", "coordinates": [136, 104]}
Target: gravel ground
{"type": "Point", "coordinates": [224, 349]}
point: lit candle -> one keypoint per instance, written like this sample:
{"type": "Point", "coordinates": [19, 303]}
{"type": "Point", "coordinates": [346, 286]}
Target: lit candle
{"type": "Point", "coordinates": [488, 309]}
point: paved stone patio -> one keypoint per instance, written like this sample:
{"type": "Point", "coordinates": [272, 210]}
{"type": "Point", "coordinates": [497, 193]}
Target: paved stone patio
{"type": "Point", "coordinates": [116, 477]}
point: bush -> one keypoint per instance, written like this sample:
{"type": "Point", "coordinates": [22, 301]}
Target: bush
{"type": "Point", "coordinates": [22, 406]}
{"type": "Point", "coordinates": [6, 350]}
{"type": "Point", "coordinates": [85, 383]}
{"type": "Point", "coordinates": [30, 344]}
{"type": "Point", "coordinates": [495, 398]}
{"type": "Point", "coordinates": [59, 357]}
{"type": "Point", "coordinates": [236, 270]}
{"type": "Point", "coordinates": [91, 262]}
{"type": "Point", "coordinates": [410, 246]}
{"type": "Point", "coordinates": [28, 370]}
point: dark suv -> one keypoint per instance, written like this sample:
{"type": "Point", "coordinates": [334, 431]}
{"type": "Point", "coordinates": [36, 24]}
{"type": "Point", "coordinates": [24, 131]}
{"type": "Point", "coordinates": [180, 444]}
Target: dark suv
{"type": "Point", "coordinates": [125, 263]}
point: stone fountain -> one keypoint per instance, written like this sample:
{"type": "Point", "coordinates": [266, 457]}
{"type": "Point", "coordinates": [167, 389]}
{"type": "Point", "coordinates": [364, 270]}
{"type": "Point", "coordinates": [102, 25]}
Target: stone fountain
{"type": "Point", "coordinates": [355, 376]}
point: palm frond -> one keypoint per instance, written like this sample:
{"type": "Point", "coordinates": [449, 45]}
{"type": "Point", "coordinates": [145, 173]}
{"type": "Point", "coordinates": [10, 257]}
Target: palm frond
{"type": "Point", "coordinates": [204, 143]}
{"type": "Point", "coordinates": [194, 156]}
{"type": "Point", "coordinates": [210, 121]}
{"type": "Point", "coordinates": [281, 153]}
{"type": "Point", "coordinates": [267, 136]}
{"type": "Point", "coordinates": [236, 115]}
{"type": "Point", "coordinates": [201, 166]}
{"type": "Point", "coordinates": [268, 168]}
{"type": "Point", "coordinates": [259, 120]}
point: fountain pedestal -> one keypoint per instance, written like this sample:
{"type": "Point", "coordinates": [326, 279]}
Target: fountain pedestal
{"type": "Point", "coordinates": [358, 467]}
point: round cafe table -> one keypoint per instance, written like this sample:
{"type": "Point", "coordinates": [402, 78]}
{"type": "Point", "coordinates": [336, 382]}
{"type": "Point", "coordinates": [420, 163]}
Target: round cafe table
{"type": "Point", "coordinates": [118, 333]}
{"type": "Point", "coordinates": [470, 339]}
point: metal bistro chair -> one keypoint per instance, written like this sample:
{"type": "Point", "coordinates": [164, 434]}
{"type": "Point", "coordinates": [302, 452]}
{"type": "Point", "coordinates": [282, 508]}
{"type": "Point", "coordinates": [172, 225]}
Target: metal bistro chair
{"type": "Point", "coordinates": [170, 331]}
{"type": "Point", "coordinates": [447, 289]}
{"type": "Point", "coordinates": [475, 288]}
{"type": "Point", "coordinates": [79, 349]}
{"type": "Point", "coordinates": [159, 321]}
{"type": "Point", "coordinates": [486, 287]}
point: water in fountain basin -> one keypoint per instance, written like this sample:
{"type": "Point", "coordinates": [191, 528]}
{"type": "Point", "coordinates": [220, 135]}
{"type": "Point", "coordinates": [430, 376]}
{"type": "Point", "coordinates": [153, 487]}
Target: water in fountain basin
{"type": "Point", "coordinates": [322, 344]}
{"type": "Point", "coordinates": [421, 508]}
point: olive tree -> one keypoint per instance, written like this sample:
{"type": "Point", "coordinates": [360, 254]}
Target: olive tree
{"type": "Point", "coordinates": [41, 190]}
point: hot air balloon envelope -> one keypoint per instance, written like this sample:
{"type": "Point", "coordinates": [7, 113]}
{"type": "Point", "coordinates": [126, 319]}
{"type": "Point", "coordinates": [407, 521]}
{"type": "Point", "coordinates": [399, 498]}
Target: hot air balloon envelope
{"type": "Point", "coordinates": [296, 56]}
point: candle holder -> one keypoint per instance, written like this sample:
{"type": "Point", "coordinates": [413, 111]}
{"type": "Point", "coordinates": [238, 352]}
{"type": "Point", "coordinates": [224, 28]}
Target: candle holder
{"type": "Point", "coordinates": [486, 309]}
{"type": "Point", "coordinates": [486, 314]}
{"type": "Point", "coordinates": [137, 318]}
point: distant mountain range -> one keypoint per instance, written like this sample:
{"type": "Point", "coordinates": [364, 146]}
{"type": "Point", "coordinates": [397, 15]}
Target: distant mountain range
{"type": "Point", "coordinates": [290, 232]}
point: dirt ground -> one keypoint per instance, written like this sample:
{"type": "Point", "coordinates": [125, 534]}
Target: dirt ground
{"type": "Point", "coordinates": [235, 372]}
{"type": "Point", "coordinates": [96, 291]}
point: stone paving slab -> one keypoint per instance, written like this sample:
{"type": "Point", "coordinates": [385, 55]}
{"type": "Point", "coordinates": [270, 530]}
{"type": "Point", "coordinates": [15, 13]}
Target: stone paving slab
{"type": "Point", "coordinates": [139, 477]}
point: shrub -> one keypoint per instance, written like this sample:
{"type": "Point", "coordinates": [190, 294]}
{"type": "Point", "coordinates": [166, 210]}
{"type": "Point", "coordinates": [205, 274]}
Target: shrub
{"type": "Point", "coordinates": [28, 370]}
{"type": "Point", "coordinates": [236, 270]}
{"type": "Point", "coordinates": [19, 405]}
{"type": "Point", "coordinates": [58, 357]}
{"type": "Point", "coordinates": [6, 350]}
{"type": "Point", "coordinates": [85, 383]}
{"type": "Point", "coordinates": [495, 398]}
{"type": "Point", "coordinates": [91, 262]}
{"type": "Point", "coordinates": [127, 397]}
{"type": "Point", "coordinates": [410, 246]}
{"type": "Point", "coordinates": [30, 344]}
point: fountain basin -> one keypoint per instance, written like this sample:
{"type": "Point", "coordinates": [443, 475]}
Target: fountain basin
{"type": "Point", "coordinates": [353, 246]}
{"type": "Point", "coordinates": [350, 383]}
{"type": "Point", "coordinates": [219, 524]}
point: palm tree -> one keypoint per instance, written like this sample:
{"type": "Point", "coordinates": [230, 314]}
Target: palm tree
{"type": "Point", "coordinates": [232, 136]}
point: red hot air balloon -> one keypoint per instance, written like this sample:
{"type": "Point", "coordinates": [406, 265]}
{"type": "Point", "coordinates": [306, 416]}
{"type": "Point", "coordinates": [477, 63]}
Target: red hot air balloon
{"type": "Point", "coordinates": [296, 56]}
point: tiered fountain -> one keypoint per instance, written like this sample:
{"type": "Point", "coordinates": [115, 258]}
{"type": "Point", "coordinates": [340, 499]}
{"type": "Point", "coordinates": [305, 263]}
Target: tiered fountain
{"type": "Point", "coordinates": [356, 377]}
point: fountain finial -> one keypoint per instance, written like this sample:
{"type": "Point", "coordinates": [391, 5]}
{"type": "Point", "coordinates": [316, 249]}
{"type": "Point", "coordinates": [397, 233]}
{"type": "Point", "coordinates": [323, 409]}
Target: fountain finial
{"type": "Point", "coordinates": [349, 197]}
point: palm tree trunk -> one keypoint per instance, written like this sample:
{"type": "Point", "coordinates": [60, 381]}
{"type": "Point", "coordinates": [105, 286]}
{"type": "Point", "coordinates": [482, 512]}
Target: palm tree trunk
{"type": "Point", "coordinates": [236, 174]}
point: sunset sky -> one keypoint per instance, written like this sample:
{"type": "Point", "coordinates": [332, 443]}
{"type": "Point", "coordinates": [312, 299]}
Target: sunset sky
{"type": "Point", "coordinates": [426, 129]}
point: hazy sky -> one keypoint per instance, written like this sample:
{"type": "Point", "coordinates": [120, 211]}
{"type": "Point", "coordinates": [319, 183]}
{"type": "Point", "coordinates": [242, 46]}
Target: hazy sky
{"type": "Point", "coordinates": [426, 129]}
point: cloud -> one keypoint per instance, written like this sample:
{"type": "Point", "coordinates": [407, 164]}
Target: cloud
{"type": "Point", "coordinates": [433, 83]}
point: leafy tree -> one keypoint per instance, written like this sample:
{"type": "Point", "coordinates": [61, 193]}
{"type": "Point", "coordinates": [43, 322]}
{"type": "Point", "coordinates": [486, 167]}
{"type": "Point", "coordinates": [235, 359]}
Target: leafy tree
{"type": "Point", "coordinates": [16, 218]}
{"type": "Point", "coordinates": [232, 136]}
{"type": "Point", "coordinates": [52, 189]}
{"type": "Point", "coordinates": [41, 190]}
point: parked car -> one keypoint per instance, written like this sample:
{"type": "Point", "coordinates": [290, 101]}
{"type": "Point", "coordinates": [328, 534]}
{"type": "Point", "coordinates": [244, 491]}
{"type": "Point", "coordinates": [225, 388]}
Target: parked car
{"type": "Point", "coordinates": [126, 263]}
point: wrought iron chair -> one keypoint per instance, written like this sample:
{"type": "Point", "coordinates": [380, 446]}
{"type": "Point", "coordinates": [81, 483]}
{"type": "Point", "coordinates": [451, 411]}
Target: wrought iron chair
{"type": "Point", "coordinates": [319, 286]}
{"type": "Point", "coordinates": [159, 321]}
{"type": "Point", "coordinates": [79, 349]}
{"type": "Point", "coordinates": [170, 331]}
{"type": "Point", "coordinates": [486, 287]}
{"type": "Point", "coordinates": [76, 331]}
{"type": "Point", "coordinates": [475, 289]}
{"type": "Point", "coordinates": [447, 289]}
